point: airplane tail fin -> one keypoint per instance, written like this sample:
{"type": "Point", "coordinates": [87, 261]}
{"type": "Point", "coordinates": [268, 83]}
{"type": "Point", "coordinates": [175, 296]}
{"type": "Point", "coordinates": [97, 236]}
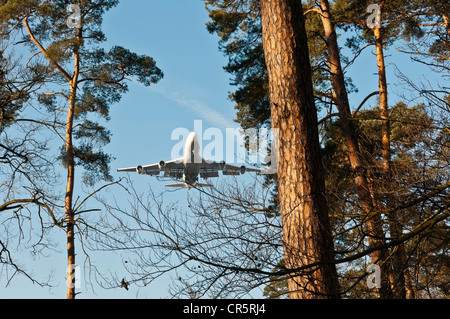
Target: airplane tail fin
{"type": "Point", "coordinates": [185, 185]}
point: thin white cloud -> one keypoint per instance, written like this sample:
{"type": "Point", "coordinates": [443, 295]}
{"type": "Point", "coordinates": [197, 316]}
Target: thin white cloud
{"type": "Point", "coordinates": [187, 99]}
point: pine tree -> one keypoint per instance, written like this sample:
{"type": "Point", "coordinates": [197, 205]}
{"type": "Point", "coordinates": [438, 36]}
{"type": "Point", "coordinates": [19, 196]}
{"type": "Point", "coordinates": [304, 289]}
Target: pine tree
{"type": "Point", "coordinates": [90, 80]}
{"type": "Point", "coordinates": [286, 90]}
{"type": "Point", "coordinates": [240, 40]}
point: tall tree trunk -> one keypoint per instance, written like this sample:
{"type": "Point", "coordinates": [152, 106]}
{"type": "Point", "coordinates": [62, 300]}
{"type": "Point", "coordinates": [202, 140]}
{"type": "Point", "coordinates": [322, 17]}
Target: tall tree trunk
{"type": "Point", "coordinates": [374, 224]}
{"type": "Point", "coordinates": [70, 218]}
{"type": "Point", "coordinates": [383, 97]}
{"type": "Point", "coordinates": [395, 228]}
{"type": "Point", "coordinates": [307, 233]}
{"type": "Point", "coordinates": [69, 195]}
{"type": "Point", "coordinates": [410, 293]}
{"type": "Point", "coordinates": [70, 158]}
{"type": "Point", "coordinates": [446, 19]}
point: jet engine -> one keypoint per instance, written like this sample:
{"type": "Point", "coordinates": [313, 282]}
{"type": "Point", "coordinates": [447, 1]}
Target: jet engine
{"type": "Point", "coordinates": [162, 164]}
{"type": "Point", "coordinates": [243, 169]}
{"type": "Point", "coordinates": [139, 169]}
{"type": "Point", "coordinates": [222, 164]}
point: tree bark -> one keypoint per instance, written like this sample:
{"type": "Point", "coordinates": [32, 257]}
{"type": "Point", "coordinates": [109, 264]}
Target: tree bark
{"type": "Point", "coordinates": [383, 97]}
{"type": "Point", "coordinates": [70, 157]}
{"type": "Point", "coordinates": [307, 233]}
{"type": "Point", "coordinates": [367, 198]}
{"type": "Point", "coordinates": [395, 228]}
{"type": "Point", "coordinates": [68, 198]}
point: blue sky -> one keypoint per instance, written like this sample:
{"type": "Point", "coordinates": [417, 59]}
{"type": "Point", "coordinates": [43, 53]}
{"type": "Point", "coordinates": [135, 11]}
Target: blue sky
{"type": "Point", "coordinates": [194, 87]}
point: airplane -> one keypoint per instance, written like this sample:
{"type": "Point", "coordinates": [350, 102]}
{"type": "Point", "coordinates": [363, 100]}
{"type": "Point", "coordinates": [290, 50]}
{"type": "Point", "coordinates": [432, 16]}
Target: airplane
{"type": "Point", "coordinates": [189, 167]}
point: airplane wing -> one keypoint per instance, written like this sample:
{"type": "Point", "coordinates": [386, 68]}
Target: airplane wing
{"type": "Point", "coordinates": [236, 170]}
{"type": "Point", "coordinates": [211, 169]}
{"type": "Point", "coordinates": [173, 168]}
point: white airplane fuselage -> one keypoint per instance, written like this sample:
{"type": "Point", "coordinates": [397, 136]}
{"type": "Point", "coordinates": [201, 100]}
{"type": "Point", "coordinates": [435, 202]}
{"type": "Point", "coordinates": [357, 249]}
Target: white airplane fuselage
{"type": "Point", "coordinates": [189, 167]}
{"type": "Point", "coordinates": [192, 159]}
